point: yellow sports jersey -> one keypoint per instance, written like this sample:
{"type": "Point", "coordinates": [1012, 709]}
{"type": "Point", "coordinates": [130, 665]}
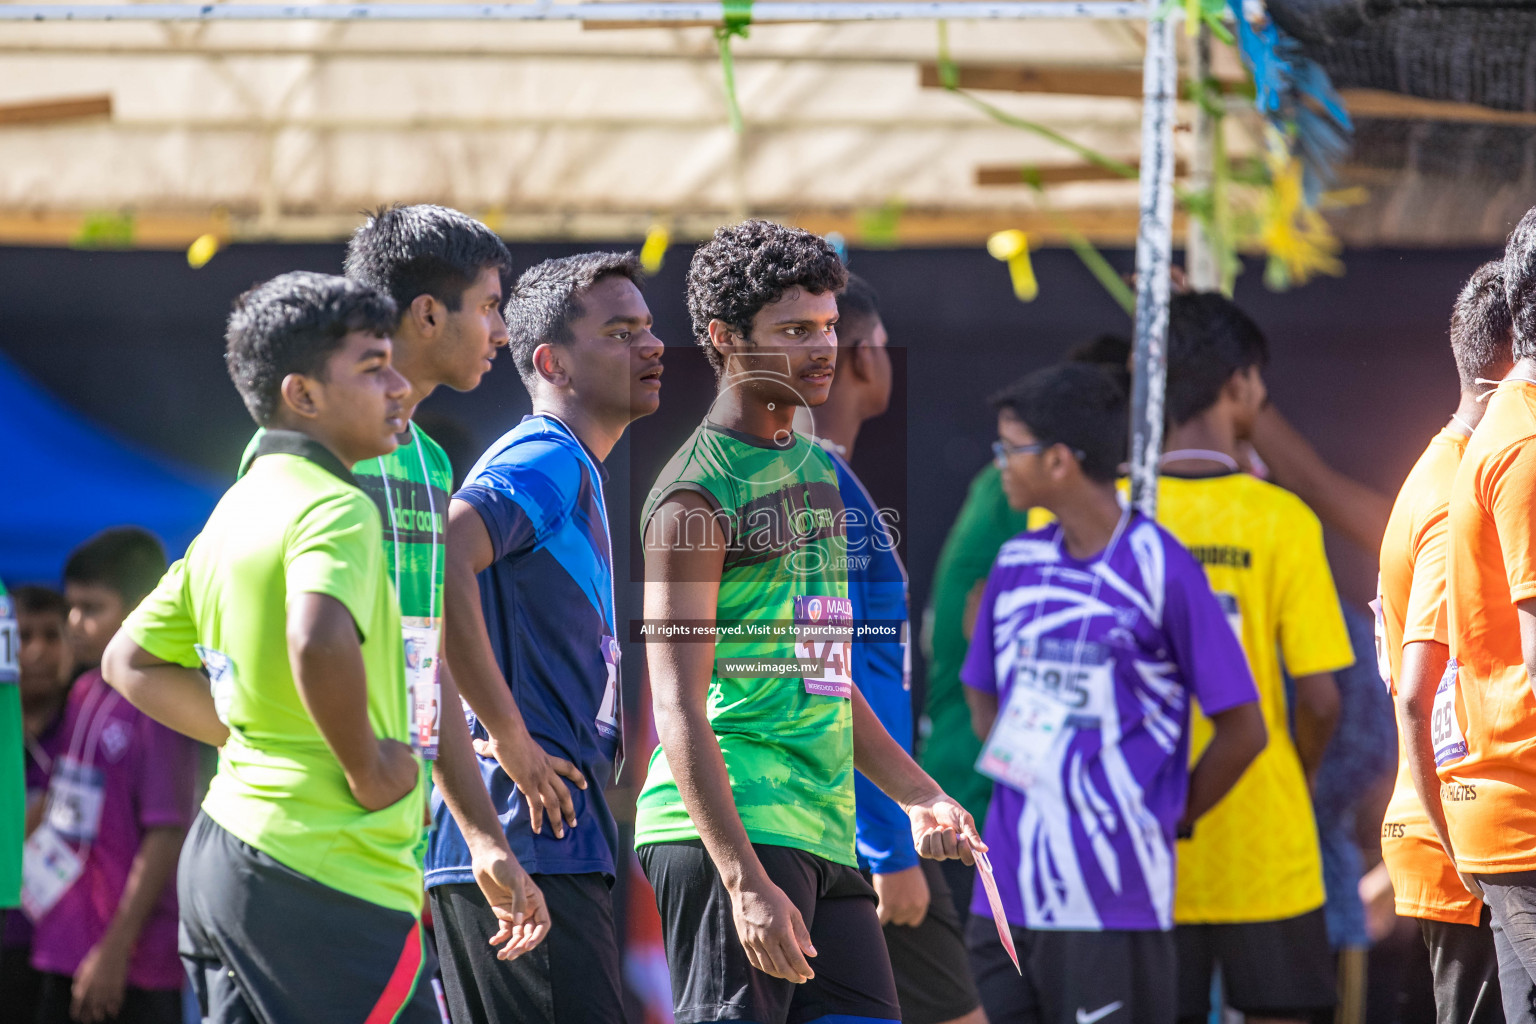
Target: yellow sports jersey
{"type": "Point", "coordinates": [1254, 856]}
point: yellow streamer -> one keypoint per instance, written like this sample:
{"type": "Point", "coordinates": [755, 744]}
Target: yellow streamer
{"type": "Point", "coordinates": [654, 251]}
{"type": "Point", "coordinates": [202, 249]}
{"type": "Point", "coordinates": [1012, 247]}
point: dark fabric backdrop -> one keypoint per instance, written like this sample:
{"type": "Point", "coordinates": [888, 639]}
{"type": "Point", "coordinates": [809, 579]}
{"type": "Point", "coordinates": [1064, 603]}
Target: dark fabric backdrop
{"type": "Point", "coordinates": [1360, 363]}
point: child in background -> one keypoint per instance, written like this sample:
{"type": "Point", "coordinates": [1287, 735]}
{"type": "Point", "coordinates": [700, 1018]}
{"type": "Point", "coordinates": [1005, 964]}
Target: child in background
{"type": "Point", "coordinates": [119, 803]}
{"type": "Point", "coordinates": [46, 667]}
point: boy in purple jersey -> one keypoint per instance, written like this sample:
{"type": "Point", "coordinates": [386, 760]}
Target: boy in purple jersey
{"type": "Point", "coordinates": [1091, 637]}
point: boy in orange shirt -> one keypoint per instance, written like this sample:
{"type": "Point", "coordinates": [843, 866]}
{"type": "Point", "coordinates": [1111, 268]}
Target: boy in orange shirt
{"type": "Point", "coordinates": [1484, 723]}
{"type": "Point", "coordinates": [1414, 649]}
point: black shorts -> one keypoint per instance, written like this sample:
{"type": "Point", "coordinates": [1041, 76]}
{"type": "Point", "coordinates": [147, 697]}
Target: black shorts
{"type": "Point", "coordinates": [933, 974]}
{"type": "Point", "coordinates": [711, 978]}
{"type": "Point", "coordinates": [264, 944]}
{"type": "Point", "coordinates": [572, 977]}
{"type": "Point", "coordinates": [1466, 971]}
{"type": "Point", "coordinates": [1074, 977]}
{"type": "Point", "coordinates": [1279, 968]}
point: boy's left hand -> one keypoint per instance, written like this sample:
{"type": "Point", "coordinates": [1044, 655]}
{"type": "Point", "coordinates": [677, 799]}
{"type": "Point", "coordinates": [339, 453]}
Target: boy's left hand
{"type": "Point", "coordinates": [97, 993]}
{"type": "Point", "coordinates": [943, 830]}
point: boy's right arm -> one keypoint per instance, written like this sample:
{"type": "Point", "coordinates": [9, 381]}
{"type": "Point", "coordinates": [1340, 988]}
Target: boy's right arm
{"type": "Point", "coordinates": [328, 671]}
{"type": "Point", "coordinates": [175, 696]}
{"type": "Point", "coordinates": [682, 581]}
{"type": "Point", "coordinates": [537, 774]}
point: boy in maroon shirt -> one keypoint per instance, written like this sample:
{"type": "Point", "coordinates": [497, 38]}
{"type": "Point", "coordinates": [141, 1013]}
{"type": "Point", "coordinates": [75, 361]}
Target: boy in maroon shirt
{"type": "Point", "coordinates": [119, 801]}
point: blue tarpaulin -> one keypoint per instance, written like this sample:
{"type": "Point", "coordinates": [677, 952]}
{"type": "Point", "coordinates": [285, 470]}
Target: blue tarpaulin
{"type": "Point", "coordinates": [66, 478]}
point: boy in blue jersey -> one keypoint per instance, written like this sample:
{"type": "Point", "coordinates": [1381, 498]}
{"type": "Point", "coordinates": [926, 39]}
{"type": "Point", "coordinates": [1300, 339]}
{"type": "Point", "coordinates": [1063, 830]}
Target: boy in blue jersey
{"type": "Point", "coordinates": [922, 927]}
{"type": "Point", "coordinates": [533, 644]}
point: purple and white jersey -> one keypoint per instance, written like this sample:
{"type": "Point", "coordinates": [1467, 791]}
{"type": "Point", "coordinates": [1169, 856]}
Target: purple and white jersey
{"type": "Point", "coordinates": [1107, 652]}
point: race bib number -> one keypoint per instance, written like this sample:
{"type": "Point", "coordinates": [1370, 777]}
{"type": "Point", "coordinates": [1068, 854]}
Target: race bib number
{"type": "Point", "coordinates": [1027, 740]}
{"type": "Point", "coordinates": [824, 634]}
{"type": "Point", "coordinates": [74, 800]}
{"type": "Point", "coordinates": [1444, 731]}
{"type": "Point", "coordinates": [421, 655]}
{"type": "Point", "coordinates": [1383, 662]}
{"type": "Point", "coordinates": [221, 679]}
{"type": "Point", "coordinates": [608, 712]}
{"type": "Point", "coordinates": [10, 649]}
{"type": "Point", "coordinates": [49, 866]}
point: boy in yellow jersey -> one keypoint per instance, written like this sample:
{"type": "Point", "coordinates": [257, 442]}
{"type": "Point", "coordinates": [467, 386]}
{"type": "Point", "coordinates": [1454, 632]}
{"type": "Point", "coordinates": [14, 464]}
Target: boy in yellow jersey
{"type": "Point", "coordinates": [1250, 884]}
{"type": "Point", "coordinates": [1414, 638]}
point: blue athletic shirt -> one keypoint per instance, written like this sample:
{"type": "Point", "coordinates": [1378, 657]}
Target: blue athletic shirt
{"type": "Point", "coordinates": [548, 605]}
{"type": "Point", "coordinates": [877, 587]}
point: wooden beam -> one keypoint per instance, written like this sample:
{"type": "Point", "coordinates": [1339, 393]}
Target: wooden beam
{"type": "Point", "coordinates": [175, 229]}
{"type": "Point", "coordinates": [1053, 174]}
{"type": "Point", "coordinates": [1376, 103]}
{"type": "Point", "coordinates": [1124, 83]}
{"type": "Point", "coordinates": [48, 111]}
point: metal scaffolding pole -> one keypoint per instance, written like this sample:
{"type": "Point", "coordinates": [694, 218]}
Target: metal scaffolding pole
{"type": "Point", "coordinates": [663, 13]}
{"type": "Point", "coordinates": [1154, 254]}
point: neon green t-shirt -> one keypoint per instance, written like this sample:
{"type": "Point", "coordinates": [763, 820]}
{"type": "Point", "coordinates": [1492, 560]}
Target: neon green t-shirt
{"type": "Point", "coordinates": [13, 787]}
{"type": "Point", "coordinates": [295, 523]}
{"type": "Point", "coordinates": [788, 751]}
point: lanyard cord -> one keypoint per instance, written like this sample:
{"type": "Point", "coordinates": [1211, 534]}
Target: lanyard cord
{"type": "Point", "coordinates": [1204, 454]}
{"type": "Point", "coordinates": [431, 528]}
{"type": "Point", "coordinates": [389, 507]}
{"type": "Point", "coordinates": [602, 508]}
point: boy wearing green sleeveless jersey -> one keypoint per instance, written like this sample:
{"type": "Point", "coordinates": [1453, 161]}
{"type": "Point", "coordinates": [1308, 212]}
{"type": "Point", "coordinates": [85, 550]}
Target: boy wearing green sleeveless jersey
{"type": "Point", "coordinates": [745, 825]}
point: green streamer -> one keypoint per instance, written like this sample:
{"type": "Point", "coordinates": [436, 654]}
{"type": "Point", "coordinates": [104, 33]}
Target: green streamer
{"type": "Point", "coordinates": [738, 20]}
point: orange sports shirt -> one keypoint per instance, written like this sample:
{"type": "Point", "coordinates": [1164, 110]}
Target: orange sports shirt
{"type": "Point", "coordinates": [1490, 793]}
{"type": "Point", "coordinates": [1412, 595]}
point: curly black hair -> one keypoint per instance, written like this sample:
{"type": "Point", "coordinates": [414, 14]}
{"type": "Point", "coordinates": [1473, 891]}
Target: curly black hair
{"type": "Point", "coordinates": [292, 324]}
{"type": "Point", "coordinates": [746, 266]}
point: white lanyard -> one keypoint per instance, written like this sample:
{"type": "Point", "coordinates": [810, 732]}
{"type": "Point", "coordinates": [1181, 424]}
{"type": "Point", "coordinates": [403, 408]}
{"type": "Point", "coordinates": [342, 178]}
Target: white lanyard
{"type": "Point", "coordinates": [602, 508]}
{"type": "Point", "coordinates": [94, 715]}
{"type": "Point", "coordinates": [1205, 454]}
{"type": "Point", "coordinates": [389, 507]}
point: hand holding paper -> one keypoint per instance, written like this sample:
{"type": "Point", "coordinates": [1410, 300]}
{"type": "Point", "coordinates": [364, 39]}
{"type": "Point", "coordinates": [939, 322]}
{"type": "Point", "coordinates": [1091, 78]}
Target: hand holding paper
{"type": "Point", "coordinates": [943, 830]}
{"type": "Point", "coordinates": [984, 869]}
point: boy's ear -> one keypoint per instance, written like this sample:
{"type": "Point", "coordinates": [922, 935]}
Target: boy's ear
{"type": "Point", "coordinates": [549, 363]}
{"type": "Point", "coordinates": [725, 339]}
{"type": "Point", "coordinates": [857, 359]}
{"type": "Point", "coordinates": [425, 314]}
{"type": "Point", "coordinates": [298, 393]}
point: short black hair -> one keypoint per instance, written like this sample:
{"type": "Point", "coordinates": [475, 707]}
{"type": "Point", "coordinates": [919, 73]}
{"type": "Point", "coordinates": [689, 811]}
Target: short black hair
{"type": "Point", "coordinates": [1110, 352]}
{"type": "Point", "coordinates": [1209, 340]}
{"type": "Point", "coordinates": [292, 324]}
{"type": "Point", "coordinates": [1481, 327]}
{"type": "Point", "coordinates": [1079, 405]}
{"type": "Point", "coordinates": [746, 266]}
{"type": "Point", "coordinates": [128, 560]}
{"type": "Point", "coordinates": [543, 303]}
{"type": "Point", "coordinates": [407, 251]}
{"type": "Point", "coordinates": [858, 301]}
{"type": "Point", "coordinates": [1520, 284]}
{"type": "Point", "coordinates": [31, 599]}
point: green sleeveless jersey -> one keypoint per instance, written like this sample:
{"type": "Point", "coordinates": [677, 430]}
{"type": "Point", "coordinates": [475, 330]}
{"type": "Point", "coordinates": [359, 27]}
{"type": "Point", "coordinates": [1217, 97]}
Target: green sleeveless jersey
{"type": "Point", "coordinates": [787, 743]}
{"type": "Point", "coordinates": [411, 487]}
